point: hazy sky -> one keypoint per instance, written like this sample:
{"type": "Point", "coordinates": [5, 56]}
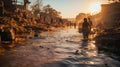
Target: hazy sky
{"type": "Point", "coordinates": [71, 8]}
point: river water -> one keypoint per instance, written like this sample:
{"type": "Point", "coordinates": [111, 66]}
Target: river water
{"type": "Point", "coordinates": [62, 48]}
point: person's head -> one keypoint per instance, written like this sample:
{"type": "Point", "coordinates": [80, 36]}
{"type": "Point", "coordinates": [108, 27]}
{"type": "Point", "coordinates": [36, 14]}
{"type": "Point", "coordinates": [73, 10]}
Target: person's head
{"type": "Point", "coordinates": [85, 19]}
{"type": "Point", "coordinates": [88, 18]}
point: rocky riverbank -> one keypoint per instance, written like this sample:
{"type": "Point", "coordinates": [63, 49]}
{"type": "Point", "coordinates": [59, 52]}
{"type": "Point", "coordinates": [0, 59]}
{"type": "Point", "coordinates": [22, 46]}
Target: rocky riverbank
{"type": "Point", "coordinates": [109, 41]}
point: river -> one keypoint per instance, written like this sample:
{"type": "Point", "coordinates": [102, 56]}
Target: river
{"type": "Point", "coordinates": [62, 48]}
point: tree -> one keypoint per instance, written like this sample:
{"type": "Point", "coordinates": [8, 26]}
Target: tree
{"type": "Point", "coordinates": [49, 10]}
{"type": "Point", "coordinates": [37, 7]}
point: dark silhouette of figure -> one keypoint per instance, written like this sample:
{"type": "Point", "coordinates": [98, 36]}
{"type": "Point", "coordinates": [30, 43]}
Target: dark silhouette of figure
{"type": "Point", "coordinates": [79, 28]}
{"type": "Point", "coordinates": [74, 25]}
{"type": "Point", "coordinates": [85, 29]}
{"type": "Point", "coordinates": [90, 22]}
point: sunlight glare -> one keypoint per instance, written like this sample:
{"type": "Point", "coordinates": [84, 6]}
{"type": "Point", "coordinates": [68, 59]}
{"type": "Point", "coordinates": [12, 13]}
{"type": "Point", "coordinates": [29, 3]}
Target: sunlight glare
{"type": "Point", "coordinates": [95, 8]}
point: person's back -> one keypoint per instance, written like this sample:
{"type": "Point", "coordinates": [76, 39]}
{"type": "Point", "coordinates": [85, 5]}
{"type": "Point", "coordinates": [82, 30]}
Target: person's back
{"type": "Point", "coordinates": [91, 25]}
{"type": "Point", "coordinates": [79, 27]}
{"type": "Point", "coordinates": [90, 22]}
{"type": "Point", "coordinates": [85, 28]}
{"type": "Point", "coordinates": [85, 25]}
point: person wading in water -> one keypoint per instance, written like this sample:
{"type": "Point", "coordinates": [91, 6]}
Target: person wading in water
{"type": "Point", "coordinates": [85, 29]}
{"type": "Point", "coordinates": [91, 25]}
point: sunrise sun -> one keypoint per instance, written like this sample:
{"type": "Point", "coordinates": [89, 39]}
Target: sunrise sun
{"type": "Point", "coordinates": [95, 8]}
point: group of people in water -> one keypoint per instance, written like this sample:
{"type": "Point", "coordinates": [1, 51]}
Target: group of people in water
{"type": "Point", "coordinates": [86, 28]}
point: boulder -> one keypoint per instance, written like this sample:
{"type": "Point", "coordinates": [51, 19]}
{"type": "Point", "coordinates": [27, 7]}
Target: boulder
{"type": "Point", "coordinates": [7, 35]}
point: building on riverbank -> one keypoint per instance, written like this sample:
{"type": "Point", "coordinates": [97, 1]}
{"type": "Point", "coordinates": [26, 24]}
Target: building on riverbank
{"type": "Point", "coordinates": [110, 14]}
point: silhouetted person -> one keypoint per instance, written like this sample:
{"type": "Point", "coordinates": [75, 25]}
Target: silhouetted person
{"type": "Point", "coordinates": [74, 25]}
{"type": "Point", "coordinates": [90, 22]}
{"type": "Point", "coordinates": [85, 29]}
{"type": "Point", "coordinates": [79, 27]}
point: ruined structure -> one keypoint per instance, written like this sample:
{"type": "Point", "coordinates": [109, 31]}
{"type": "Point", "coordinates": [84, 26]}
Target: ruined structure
{"type": "Point", "coordinates": [110, 14]}
{"type": "Point", "coordinates": [15, 17]}
{"type": "Point", "coordinates": [10, 17]}
{"type": "Point", "coordinates": [11, 5]}
{"type": "Point", "coordinates": [108, 39]}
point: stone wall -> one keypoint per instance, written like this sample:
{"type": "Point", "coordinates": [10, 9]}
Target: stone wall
{"type": "Point", "coordinates": [110, 13]}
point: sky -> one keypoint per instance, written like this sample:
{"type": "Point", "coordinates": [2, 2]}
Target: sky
{"type": "Point", "coordinates": [71, 8]}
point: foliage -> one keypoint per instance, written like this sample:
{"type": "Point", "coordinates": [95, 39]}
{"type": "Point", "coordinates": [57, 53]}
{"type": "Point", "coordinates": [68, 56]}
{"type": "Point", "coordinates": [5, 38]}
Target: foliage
{"type": "Point", "coordinates": [51, 11]}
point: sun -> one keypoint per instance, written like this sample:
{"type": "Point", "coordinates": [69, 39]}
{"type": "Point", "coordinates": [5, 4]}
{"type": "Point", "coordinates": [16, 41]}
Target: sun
{"type": "Point", "coordinates": [95, 8]}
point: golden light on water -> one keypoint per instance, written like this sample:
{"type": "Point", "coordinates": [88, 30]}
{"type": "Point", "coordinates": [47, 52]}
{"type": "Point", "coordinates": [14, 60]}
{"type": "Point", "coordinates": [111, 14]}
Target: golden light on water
{"type": "Point", "coordinates": [95, 8]}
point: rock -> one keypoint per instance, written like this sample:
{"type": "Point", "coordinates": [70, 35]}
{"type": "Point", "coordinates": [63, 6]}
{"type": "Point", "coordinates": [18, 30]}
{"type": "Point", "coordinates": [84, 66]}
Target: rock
{"type": "Point", "coordinates": [41, 46]}
{"type": "Point", "coordinates": [69, 56]}
{"type": "Point", "coordinates": [7, 35]}
{"type": "Point", "coordinates": [35, 35]}
{"type": "Point", "coordinates": [48, 48]}
{"type": "Point", "coordinates": [77, 52]}
{"type": "Point", "coordinates": [106, 65]}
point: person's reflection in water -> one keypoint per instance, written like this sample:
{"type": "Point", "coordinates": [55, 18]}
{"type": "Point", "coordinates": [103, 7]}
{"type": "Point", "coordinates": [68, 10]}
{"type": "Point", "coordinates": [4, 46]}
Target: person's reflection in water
{"type": "Point", "coordinates": [84, 47]}
{"type": "Point", "coordinates": [84, 43]}
{"type": "Point", "coordinates": [88, 49]}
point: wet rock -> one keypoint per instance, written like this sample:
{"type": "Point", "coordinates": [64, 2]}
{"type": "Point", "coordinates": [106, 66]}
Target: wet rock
{"type": "Point", "coordinates": [48, 48]}
{"type": "Point", "coordinates": [36, 35]}
{"type": "Point", "coordinates": [106, 65]}
{"type": "Point", "coordinates": [77, 52]}
{"type": "Point", "coordinates": [7, 35]}
{"type": "Point", "coordinates": [41, 46]}
{"type": "Point", "coordinates": [69, 56]}
{"type": "Point", "coordinates": [57, 51]}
